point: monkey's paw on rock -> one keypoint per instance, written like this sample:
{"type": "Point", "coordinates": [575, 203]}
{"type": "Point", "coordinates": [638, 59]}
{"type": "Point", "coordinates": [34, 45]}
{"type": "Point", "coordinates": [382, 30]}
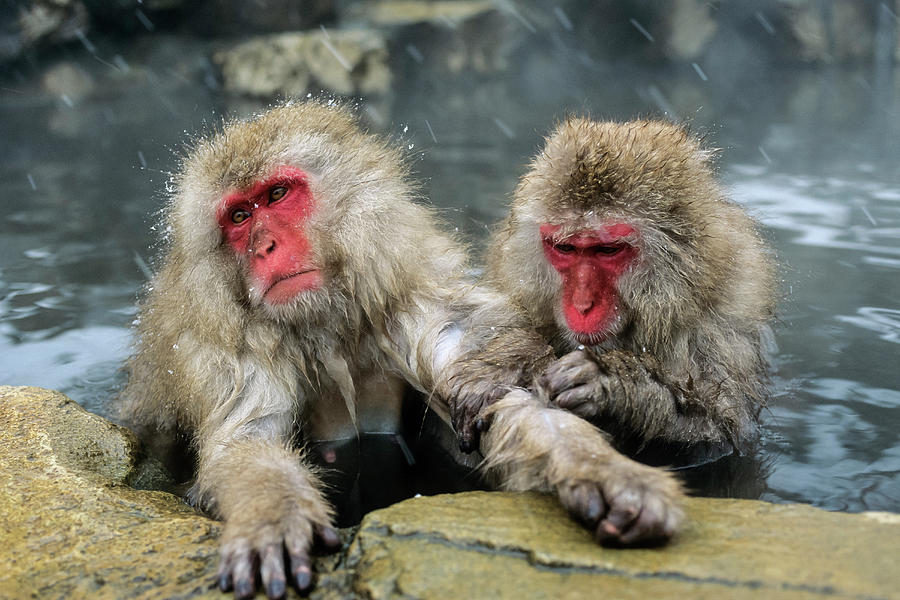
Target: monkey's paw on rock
{"type": "Point", "coordinates": [249, 545]}
{"type": "Point", "coordinates": [74, 527]}
{"type": "Point", "coordinates": [626, 508]}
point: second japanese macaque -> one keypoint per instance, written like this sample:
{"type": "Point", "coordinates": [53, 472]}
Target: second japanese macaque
{"type": "Point", "coordinates": [655, 290]}
{"type": "Point", "coordinates": [300, 291]}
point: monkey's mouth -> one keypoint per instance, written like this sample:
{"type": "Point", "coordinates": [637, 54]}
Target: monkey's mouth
{"type": "Point", "coordinates": [589, 339]}
{"type": "Point", "coordinates": [286, 287]}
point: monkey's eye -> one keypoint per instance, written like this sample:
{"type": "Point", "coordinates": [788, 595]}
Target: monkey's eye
{"type": "Point", "coordinates": [565, 248]}
{"type": "Point", "coordinates": [607, 250]}
{"type": "Point", "coordinates": [239, 216]}
{"type": "Point", "coordinates": [277, 193]}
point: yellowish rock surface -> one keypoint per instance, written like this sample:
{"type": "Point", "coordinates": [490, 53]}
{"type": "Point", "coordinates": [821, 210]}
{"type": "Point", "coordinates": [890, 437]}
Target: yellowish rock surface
{"type": "Point", "coordinates": [71, 526]}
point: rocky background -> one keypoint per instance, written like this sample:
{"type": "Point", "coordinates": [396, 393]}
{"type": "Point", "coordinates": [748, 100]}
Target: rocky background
{"type": "Point", "coordinates": [373, 50]}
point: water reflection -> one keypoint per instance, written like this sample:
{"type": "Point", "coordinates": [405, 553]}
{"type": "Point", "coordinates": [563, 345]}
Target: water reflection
{"type": "Point", "coordinates": [838, 238]}
{"type": "Point", "coordinates": [884, 321]}
{"type": "Point", "coordinates": [833, 444]}
{"type": "Point", "coordinates": [830, 213]}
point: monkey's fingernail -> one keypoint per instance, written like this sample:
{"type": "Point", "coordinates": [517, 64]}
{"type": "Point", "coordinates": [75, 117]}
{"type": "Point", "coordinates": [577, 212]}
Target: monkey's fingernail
{"type": "Point", "coordinates": [593, 509]}
{"type": "Point", "coordinates": [609, 529]}
{"type": "Point", "coordinates": [330, 538]}
{"type": "Point", "coordinates": [244, 588]}
{"type": "Point", "coordinates": [607, 539]}
{"type": "Point", "coordinates": [303, 575]}
{"type": "Point", "coordinates": [276, 588]}
{"type": "Point", "coordinates": [224, 582]}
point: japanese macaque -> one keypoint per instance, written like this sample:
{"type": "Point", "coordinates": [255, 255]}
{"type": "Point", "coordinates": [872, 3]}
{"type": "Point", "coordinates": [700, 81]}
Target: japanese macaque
{"type": "Point", "coordinates": [653, 287]}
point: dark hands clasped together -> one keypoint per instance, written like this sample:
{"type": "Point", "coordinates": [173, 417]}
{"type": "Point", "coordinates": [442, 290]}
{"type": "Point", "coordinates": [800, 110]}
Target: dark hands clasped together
{"type": "Point", "coordinates": [302, 288]}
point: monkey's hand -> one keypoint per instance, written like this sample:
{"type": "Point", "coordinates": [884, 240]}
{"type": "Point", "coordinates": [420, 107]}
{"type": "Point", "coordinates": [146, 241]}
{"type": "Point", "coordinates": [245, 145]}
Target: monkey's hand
{"type": "Point", "coordinates": [255, 540]}
{"type": "Point", "coordinates": [575, 383]}
{"type": "Point", "coordinates": [509, 359]}
{"type": "Point", "coordinates": [640, 396]}
{"type": "Point", "coordinates": [469, 400]}
{"type": "Point", "coordinates": [271, 505]}
{"type": "Point", "coordinates": [623, 502]}
{"type": "Point", "coordinates": [531, 446]}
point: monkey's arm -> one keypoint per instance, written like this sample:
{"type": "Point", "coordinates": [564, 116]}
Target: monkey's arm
{"type": "Point", "coordinates": [263, 490]}
{"type": "Point", "coordinates": [531, 446]}
{"type": "Point", "coordinates": [474, 350]}
{"type": "Point", "coordinates": [503, 358]}
{"type": "Point", "coordinates": [637, 394]}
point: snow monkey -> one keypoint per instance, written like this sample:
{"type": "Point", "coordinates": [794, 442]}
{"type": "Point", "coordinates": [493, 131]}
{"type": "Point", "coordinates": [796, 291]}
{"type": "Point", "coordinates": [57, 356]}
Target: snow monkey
{"type": "Point", "coordinates": [301, 289]}
{"type": "Point", "coordinates": [653, 287]}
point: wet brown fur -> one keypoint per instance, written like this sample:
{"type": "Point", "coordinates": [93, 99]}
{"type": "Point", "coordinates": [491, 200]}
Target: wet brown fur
{"type": "Point", "coordinates": [688, 363]}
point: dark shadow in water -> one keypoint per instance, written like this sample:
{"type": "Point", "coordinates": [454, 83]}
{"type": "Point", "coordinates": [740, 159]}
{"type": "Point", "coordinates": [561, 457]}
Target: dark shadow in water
{"type": "Point", "coordinates": [361, 474]}
{"type": "Point", "coordinates": [711, 470]}
{"type": "Point", "coordinates": [375, 470]}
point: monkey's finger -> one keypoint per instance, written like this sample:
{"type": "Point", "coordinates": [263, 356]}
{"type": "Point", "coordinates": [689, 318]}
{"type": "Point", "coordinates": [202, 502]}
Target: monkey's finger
{"type": "Point", "coordinates": [584, 502]}
{"type": "Point", "coordinates": [271, 570]}
{"type": "Point", "coordinates": [224, 578]}
{"type": "Point", "coordinates": [327, 536]}
{"type": "Point", "coordinates": [298, 551]}
{"type": "Point", "coordinates": [467, 432]}
{"type": "Point", "coordinates": [623, 510]}
{"type": "Point", "coordinates": [570, 399]}
{"type": "Point", "coordinates": [484, 418]}
{"type": "Point", "coordinates": [560, 380]}
{"type": "Point", "coordinates": [577, 359]}
{"type": "Point", "coordinates": [646, 529]}
{"type": "Point", "coordinates": [542, 381]}
{"type": "Point", "coordinates": [301, 570]}
{"type": "Point", "coordinates": [243, 574]}
{"type": "Point", "coordinates": [468, 439]}
{"type": "Point", "coordinates": [654, 525]}
{"type": "Point", "coordinates": [226, 562]}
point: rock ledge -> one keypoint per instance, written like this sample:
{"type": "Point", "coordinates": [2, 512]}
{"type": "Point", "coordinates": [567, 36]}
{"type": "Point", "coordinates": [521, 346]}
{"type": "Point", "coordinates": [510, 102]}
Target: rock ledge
{"type": "Point", "coordinates": [73, 527]}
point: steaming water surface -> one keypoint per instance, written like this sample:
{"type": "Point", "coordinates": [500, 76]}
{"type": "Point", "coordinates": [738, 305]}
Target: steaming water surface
{"type": "Point", "coordinates": [83, 183]}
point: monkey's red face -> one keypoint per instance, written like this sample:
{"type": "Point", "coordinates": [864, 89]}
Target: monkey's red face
{"type": "Point", "coordinates": [590, 263]}
{"type": "Point", "coordinates": [266, 222]}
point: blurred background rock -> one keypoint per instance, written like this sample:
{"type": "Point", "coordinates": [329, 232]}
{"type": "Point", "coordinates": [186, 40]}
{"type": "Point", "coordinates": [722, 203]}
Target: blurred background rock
{"type": "Point", "coordinates": [270, 48]}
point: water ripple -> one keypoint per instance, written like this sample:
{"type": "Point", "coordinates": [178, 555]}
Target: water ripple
{"type": "Point", "coordinates": [830, 213]}
{"type": "Point", "coordinates": [884, 321]}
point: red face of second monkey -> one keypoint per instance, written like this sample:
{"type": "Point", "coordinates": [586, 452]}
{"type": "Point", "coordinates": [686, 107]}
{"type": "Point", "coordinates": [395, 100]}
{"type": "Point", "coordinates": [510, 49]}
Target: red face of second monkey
{"type": "Point", "coordinates": [590, 263]}
{"type": "Point", "coordinates": [266, 222]}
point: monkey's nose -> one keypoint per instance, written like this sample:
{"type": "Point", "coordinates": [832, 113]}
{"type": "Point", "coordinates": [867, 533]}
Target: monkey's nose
{"type": "Point", "coordinates": [582, 300]}
{"type": "Point", "coordinates": [584, 307]}
{"type": "Point", "coordinates": [264, 245]}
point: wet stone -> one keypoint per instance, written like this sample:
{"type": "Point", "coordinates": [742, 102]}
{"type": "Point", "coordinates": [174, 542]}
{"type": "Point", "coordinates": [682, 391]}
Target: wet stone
{"type": "Point", "coordinates": [483, 544]}
{"type": "Point", "coordinates": [350, 62]}
{"type": "Point", "coordinates": [71, 527]}
{"type": "Point", "coordinates": [447, 37]}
